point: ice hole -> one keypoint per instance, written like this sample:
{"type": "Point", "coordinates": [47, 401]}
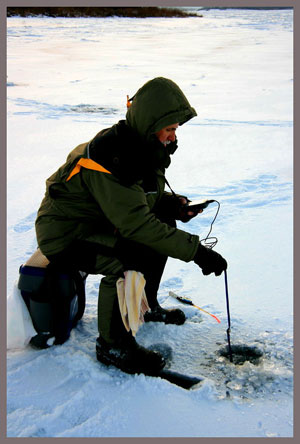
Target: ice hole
{"type": "Point", "coordinates": [242, 353]}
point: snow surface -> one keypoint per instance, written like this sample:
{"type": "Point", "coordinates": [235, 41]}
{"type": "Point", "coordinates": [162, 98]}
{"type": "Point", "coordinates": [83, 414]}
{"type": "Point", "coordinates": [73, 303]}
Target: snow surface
{"type": "Point", "coordinates": [67, 79]}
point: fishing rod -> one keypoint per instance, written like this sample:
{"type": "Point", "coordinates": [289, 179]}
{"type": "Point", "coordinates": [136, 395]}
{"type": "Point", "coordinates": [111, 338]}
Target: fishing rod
{"type": "Point", "coordinates": [228, 317]}
{"type": "Point", "coordinates": [200, 205]}
{"type": "Point", "coordinates": [188, 301]}
{"type": "Point", "coordinates": [211, 245]}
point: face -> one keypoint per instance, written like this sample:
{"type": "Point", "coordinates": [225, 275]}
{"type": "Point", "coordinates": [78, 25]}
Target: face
{"type": "Point", "coordinates": [167, 134]}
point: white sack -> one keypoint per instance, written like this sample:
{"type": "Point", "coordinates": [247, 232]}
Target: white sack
{"type": "Point", "coordinates": [19, 324]}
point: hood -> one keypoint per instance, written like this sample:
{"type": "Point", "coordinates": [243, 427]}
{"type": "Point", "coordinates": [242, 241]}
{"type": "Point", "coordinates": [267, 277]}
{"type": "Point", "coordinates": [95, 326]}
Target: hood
{"type": "Point", "coordinates": [157, 104]}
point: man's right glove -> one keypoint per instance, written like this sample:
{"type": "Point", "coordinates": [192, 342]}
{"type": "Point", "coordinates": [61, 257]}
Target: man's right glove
{"type": "Point", "coordinates": [210, 261]}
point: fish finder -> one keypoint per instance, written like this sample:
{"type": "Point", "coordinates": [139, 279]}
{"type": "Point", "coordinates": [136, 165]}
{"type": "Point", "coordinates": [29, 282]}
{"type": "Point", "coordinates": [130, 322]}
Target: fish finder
{"type": "Point", "coordinates": [196, 205]}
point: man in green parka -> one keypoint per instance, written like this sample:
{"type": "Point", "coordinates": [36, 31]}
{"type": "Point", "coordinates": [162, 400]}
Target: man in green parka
{"type": "Point", "coordinates": [105, 212]}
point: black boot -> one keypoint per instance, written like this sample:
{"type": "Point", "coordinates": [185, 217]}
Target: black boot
{"type": "Point", "coordinates": [129, 356]}
{"type": "Point", "coordinates": [168, 316]}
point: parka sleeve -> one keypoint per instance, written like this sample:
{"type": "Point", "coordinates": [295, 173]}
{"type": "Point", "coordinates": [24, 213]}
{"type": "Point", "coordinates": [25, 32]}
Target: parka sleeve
{"type": "Point", "coordinates": [127, 209]}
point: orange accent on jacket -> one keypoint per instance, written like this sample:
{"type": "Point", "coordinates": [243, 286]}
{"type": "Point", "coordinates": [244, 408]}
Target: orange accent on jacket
{"type": "Point", "coordinates": [128, 102]}
{"type": "Point", "coordinates": [87, 163]}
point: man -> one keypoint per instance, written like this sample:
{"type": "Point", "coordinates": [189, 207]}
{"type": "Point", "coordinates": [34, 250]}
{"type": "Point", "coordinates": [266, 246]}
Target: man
{"type": "Point", "coordinates": [105, 212]}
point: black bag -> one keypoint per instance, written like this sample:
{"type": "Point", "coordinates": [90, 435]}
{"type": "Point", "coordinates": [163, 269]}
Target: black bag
{"type": "Point", "coordinates": [55, 300]}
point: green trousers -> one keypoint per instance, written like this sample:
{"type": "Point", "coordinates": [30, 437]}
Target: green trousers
{"type": "Point", "coordinates": [90, 257]}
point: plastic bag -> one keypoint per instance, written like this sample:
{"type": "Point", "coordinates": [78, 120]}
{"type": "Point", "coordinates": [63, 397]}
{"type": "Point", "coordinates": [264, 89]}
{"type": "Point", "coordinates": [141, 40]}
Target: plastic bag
{"type": "Point", "coordinates": [19, 324]}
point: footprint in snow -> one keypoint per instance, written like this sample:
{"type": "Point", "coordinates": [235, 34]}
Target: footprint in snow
{"type": "Point", "coordinates": [25, 224]}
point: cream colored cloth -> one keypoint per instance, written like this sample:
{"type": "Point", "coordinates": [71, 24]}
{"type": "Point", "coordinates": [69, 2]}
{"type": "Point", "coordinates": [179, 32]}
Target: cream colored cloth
{"type": "Point", "coordinates": [37, 259]}
{"type": "Point", "coordinates": [132, 300]}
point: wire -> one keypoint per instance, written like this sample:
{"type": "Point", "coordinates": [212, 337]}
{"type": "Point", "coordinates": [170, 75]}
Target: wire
{"type": "Point", "coordinates": [210, 242]}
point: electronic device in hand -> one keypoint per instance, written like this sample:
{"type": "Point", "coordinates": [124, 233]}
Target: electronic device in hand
{"type": "Point", "coordinates": [196, 205]}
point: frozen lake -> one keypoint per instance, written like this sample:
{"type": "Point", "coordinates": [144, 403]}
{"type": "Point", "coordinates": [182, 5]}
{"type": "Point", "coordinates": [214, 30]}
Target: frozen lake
{"type": "Point", "coordinates": [66, 80]}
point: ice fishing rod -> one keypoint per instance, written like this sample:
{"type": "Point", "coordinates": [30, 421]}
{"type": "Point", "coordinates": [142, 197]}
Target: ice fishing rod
{"type": "Point", "coordinates": [228, 316]}
{"type": "Point", "coordinates": [188, 301]}
{"type": "Point", "coordinates": [211, 245]}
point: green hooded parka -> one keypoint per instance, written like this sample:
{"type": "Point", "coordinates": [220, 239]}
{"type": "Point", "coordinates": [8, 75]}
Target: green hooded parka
{"type": "Point", "coordinates": [111, 186]}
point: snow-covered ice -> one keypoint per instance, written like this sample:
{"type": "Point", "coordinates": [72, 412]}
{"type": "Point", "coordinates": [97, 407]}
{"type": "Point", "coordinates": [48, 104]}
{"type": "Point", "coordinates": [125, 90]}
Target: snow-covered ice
{"type": "Point", "coordinates": [66, 80]}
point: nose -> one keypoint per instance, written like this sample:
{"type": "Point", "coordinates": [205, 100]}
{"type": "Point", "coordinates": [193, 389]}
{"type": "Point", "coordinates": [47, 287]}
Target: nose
{"type": "Point", "coordinates": [172, 137]}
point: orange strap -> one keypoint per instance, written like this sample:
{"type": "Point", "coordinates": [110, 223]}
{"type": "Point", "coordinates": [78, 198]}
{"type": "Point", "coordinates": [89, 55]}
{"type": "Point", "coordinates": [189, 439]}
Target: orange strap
{"type": "Point", "coordinates": [128, 102]}
{"type": "Point", "coordinates": [87, 163]}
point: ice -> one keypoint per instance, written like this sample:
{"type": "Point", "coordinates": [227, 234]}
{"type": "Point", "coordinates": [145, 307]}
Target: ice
{"type": "Point", "coordinates": [66, 80]}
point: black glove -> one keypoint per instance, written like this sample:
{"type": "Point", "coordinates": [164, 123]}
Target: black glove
{"type": "Point", "coordinates": [173, 206]}
{"type": "Point", "coordinates": [183, 211]}
{"type": "Point", "coordinates": [210, 261]}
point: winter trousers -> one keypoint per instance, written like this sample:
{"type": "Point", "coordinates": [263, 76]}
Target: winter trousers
{"type": "Point", "coordinates": [93, 258]}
